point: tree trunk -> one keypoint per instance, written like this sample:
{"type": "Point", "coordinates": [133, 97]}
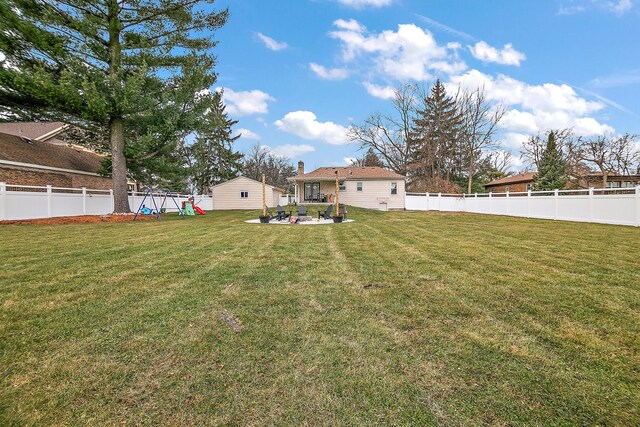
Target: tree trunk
{"type": "Point", "coordinates": [116, 124]}
{"type": "Point", "coordinates": [470, 179]}
{"type": "Point", "coordinates": [118, 166]}
{"type": "Point", "coordinates": [605, 176]}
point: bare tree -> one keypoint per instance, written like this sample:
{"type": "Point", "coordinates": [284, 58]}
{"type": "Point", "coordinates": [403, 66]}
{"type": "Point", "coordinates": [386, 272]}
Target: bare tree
{"type": "Point", "coordinates": [612, 155]}
{"type": "Point", "coordinates": [276, 169]}
{"type": "Point", "coordinates": [480, 122]}
{"type": "Point", "coordinates": [388, 135]}
{"type": "Point", "coordinates": [501, 161]}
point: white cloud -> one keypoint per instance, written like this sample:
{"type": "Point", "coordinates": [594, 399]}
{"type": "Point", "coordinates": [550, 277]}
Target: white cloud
{"type": "Point", "coordinates": [536, 108]}
{"type": "Point", "coordinates": [329, 73]}
{"type": "Point", "coordinates": [505, 56]}
{"type": "Point", "coordinates": [359, 4]}
{"type": "Point", "coordinates": [349, 160]}
{"type": "Point", "coordinates": [247, 134]}
{"type": "Point", "coordinates": [410, 53]}
{"type": "Point", "coordinates": [382, 92]}
{"type": "Point", "coordinates": [244, 103]}
{"type": "Point", "coordinates": [305, 125]}
{"type": "Point", "coordinates": [271, 43]}
{"type": "Point", "coordinates": [350, 25]}
{"type": "Point", "coordinates": [620, 7]}
{"type": "Point", "coordinates": [290, 151]}
{"type": "Point", "coordinates": [446, 28]}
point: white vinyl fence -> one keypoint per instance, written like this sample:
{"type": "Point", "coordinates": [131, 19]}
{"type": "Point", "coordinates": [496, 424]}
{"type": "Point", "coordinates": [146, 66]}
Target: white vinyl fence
{"type": "Point", "coordinates": [31, 202]}
{"type": "Point", "coordinates": [607, 206]}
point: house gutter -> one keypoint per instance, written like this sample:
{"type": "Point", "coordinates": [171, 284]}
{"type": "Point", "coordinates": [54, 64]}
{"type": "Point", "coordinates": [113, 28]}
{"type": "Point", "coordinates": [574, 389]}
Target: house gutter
{"type": "Point", "coordinates": [49, 168]}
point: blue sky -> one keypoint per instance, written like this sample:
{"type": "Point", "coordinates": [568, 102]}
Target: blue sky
{"type": "Point", "coordinates": [297, 73]}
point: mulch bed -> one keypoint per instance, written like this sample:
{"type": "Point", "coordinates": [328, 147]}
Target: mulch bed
{"type": "Point", "coordinates": [82, 219]}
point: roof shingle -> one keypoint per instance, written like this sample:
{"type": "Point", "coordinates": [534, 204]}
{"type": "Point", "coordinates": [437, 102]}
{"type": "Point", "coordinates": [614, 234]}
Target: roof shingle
{"type": "Point", "coordinates": [16, 149]}
{"type": "Point", "coordinates": [349, 172]}
{"type": "Point", "coordinates": [522, 177]}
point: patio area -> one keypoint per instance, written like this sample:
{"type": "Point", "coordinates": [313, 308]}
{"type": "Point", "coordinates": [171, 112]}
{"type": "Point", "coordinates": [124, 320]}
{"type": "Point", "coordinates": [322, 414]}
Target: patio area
{"type": "Point", "coordinates": [311, 221]}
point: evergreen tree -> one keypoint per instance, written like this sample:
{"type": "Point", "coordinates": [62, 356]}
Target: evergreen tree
{"type": "Point", "coordinates": [435, 135]}
{"type": "Point", "coordinates": [369, 159]}
{"type": "Point", "coordinates": [134, 69]}
{"type": "Point", "coordinates": [552, 169]}
{"type": "Point", "coordinates": [211, 157]}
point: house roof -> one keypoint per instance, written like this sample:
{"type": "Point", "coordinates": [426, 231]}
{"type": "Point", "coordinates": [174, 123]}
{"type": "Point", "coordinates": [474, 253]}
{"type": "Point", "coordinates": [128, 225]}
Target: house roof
{"type": "Point", "coordinates": [348, 172]}
{"type": "Point", "coordinates": [22, 150]}
{"type": "Point", "coordinates": [33, 130]}
{"type": "Point", "coordinates": [249, 179]}
{"type": "Point", "coordinates": [522, 177]}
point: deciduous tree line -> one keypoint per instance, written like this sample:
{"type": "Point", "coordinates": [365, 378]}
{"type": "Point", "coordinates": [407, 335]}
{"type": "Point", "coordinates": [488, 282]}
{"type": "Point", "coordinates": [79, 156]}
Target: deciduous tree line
{"type": "Point", "coordinates": [440, 141]}
{"type": "Point", "coordinates": [449, 142]}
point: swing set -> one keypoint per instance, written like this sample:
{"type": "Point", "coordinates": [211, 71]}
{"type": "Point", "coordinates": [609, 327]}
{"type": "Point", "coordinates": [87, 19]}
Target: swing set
{"type": "Point", "coordinates": [142, 209]}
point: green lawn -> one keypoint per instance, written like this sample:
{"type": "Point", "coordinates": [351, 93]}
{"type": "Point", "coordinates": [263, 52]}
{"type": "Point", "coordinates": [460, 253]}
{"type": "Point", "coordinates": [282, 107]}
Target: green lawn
{"type": "Point", "coordinates": [405, 318]}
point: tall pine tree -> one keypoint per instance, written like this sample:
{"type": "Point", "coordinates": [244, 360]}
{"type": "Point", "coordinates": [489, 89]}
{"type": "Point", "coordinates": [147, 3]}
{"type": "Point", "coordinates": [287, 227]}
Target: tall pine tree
{"type": "Point", "coordinates": [131, 68]}
{"type": "Point", "coordinates": [552, 169]}
{"type": "Point", "coordinates": [211, 157]}
{"type": "Point", "coordinates": [435, 135]}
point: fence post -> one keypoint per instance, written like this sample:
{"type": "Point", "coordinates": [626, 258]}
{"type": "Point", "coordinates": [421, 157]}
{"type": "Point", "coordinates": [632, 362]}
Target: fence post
{"type": "Point", "coordinates": [84, 200]}
{"type": "Point", "coordinates": [428, 200]}
{"type": "Point", "coordinates": [3, 200]}
{"type": "Point", "coordinates": [49, 197]}
{"type": "Point", "coordinates": [507, 202]}
{"type": "Point", "coordinates": [590, 204]}
{"type": "Point", "coordinates": [529, 203]}
{"type": "Point", "coordinates": [638, 206]}
{"type": "Point", "coordinates": [555, 203]}
{"type": "Point", "coordinates": [113, 203]}
{"type": "Point", "coordinates": [439, 201]}
{"type": "Point", "coordinates": [490, 203]}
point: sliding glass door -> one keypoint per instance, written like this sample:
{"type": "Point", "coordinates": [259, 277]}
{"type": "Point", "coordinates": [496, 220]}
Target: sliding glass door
{"type": "Point", "coordinates": [311, 191]}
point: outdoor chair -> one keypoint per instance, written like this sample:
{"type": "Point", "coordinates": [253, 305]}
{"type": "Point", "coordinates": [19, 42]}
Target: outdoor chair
{"type": "Point", "coordinates": [342, 210]}
{"type": "Point", "coordinates": [326, 214]}
{"type": "Point", "coordinates": [302, 210]}
{"type": "Point", "coordinates": [282, 214]}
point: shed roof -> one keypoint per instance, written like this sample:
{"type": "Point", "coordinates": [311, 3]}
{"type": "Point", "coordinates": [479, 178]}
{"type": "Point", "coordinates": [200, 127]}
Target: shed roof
{"type": "Point", "coordinates": [249, 179]}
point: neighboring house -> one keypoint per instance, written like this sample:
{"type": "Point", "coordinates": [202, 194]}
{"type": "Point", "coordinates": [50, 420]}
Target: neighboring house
{"type": "Point", "coordinates": [45, 159]}
{"type": "Point", "coordinates": [25, 161]}
{"type": "Point", "coordinates": [243, 193]}
{"type": "Point", "coordinates": [524, 182]}
{"type": "Point", "coordinates": [516, 183]}
{"type": "Point", "coordinates": [366, 187]}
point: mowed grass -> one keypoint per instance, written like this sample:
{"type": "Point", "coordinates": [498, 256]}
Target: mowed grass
{"type": "Point", "coordinates": [399, 318]}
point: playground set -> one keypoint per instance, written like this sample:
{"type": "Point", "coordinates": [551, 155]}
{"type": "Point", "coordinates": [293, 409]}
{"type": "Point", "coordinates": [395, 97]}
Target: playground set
{"type": "Point", "coordinates": [188, 208]}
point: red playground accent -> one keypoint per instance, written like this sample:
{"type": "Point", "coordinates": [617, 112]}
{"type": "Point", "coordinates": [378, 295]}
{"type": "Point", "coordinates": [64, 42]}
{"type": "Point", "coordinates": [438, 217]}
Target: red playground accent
{"type": "Point", "coordinates": [199, 210]}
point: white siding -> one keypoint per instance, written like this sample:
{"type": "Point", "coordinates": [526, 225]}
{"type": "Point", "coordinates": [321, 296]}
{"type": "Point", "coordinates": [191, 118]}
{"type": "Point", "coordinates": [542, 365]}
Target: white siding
{"type": "Point", "coordinates": [226, 196]}
{"type": "Point", "coordinates": [375, 194]}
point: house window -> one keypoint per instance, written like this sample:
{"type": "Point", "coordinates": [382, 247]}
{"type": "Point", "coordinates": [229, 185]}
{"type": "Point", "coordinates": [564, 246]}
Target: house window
{"type": "Point", "coordinates": [359, 186]}
{"type": "Point", "coordinates": [530, 186]}
{"type": "Point", "coordinates": [244, 194]}
{"type": "Point", "coordinates": [614, 184]}
{"type": "Point", "coordinates": [342, 186]}
{"type": "Point", "coordinates": [506, 188]}
{"type": "Point", "coordinates": [394, 188]}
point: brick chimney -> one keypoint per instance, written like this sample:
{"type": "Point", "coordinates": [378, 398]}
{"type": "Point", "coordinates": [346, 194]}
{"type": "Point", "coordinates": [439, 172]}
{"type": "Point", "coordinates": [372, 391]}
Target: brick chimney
{"type": "Point", "coordinates": [300, 167]}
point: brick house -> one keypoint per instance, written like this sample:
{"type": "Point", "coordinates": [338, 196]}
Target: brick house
{"type": "Point", "coordinates": [524, 182]}
{"type": "Point", "coordinates": [30, 154]}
